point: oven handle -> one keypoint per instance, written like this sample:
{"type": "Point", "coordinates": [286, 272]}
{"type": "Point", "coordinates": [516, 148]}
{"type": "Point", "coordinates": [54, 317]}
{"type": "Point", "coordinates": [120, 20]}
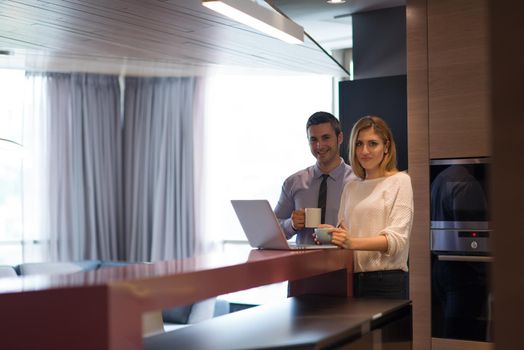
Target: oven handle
{"type": "Point", "coordinates": [465, 258]}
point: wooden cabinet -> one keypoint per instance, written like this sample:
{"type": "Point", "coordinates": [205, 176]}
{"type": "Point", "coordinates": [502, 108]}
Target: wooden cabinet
{"type": "Point", "coordinates": [458, 73]}
{"type": "Point", "coordinates": [448, 116]}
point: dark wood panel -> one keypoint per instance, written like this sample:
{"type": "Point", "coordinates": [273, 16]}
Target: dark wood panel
{"type": "Point", "coordinates": [418, 164]}
{"type": "Point", "coordinates": [454, 344]}
{"type": "Point", "coordinates": [458, 78]}
{"type": "Point", "coordinates": [507, 32]}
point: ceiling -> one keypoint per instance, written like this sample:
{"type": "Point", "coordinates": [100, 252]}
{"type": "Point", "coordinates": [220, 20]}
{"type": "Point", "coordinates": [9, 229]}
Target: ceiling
{"type": "Point", "coordinates": [330, 24]}
{"type": "Point", "coordinates": [167, 37]}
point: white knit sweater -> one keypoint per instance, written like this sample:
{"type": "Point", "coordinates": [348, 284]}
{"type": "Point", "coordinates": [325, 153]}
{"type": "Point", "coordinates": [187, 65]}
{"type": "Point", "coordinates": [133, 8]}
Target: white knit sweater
{"type": "Point", "coordinates": [382, 206]}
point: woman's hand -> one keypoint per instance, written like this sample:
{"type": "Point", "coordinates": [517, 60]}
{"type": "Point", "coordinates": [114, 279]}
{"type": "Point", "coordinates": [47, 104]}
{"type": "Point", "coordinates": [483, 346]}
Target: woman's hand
{"type": "Point", "coordinates": [341, 237]}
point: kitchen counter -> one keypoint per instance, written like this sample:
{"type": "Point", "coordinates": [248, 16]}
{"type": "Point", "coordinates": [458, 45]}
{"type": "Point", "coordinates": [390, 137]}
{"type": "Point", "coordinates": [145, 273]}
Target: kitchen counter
{"type": "Point", "coordinates": [103, 309]}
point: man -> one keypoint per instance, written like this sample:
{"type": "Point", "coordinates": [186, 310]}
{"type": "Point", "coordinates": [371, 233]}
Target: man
{"type": "Point", "coordinates": [301, 190]}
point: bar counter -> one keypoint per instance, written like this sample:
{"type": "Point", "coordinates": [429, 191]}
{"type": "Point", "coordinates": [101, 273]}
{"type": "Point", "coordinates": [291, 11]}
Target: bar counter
{"type": "Point", "coordinates": [102, 309]}
{"type": "Point", "coordinates": [308, 322]}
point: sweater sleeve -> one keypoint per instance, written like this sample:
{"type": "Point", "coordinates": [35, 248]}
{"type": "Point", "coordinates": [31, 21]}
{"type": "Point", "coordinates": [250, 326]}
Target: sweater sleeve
{"type": "Point", "coordinates": [400, 219]}
{"type": "Point", "coordinates": [342, 210]}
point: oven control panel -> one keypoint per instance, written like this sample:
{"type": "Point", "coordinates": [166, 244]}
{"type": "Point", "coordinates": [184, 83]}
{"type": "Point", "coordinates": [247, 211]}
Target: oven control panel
{"type": "Point", "coordinates": [461, 241]}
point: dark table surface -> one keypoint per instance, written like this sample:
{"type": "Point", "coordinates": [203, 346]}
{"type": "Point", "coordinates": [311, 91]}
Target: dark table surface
{"type": "Point", "coordinates": [306, 322]}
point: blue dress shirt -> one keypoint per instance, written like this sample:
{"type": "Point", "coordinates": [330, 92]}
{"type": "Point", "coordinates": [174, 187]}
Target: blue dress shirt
{"type": "Point", "coordinates": [300, 190]}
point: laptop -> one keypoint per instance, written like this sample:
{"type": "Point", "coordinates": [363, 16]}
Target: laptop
{"type": "Point", "coordinates": [262, 228]}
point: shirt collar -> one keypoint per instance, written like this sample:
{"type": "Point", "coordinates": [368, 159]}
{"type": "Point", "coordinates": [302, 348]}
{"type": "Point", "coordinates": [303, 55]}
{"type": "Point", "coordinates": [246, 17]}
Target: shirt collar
{"type": "Point", "coordinates": [335, 173]}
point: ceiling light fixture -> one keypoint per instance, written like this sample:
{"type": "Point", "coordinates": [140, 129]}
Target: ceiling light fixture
{"type": "Point", "coordinates": [260, 18]}
{"type": "Point", "coordinates": [335, 1]}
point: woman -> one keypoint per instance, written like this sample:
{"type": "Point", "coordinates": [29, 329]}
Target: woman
{"type": "Point", "coordinates": [376, 213]}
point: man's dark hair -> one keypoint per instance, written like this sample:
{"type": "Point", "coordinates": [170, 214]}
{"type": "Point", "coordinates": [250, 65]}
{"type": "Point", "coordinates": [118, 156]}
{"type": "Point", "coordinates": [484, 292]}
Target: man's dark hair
{"type": "Point", "coordinates": [324, 117]}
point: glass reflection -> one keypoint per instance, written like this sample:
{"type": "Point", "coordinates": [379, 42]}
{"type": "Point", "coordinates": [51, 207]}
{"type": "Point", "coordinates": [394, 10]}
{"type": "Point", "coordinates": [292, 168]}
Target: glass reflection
{"type": "Point", "coordinates": [456, 195]}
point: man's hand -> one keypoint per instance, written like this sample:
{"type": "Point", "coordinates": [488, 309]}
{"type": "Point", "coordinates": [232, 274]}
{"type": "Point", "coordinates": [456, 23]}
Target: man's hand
{"type": "Point", "coordinates": [298, 219]}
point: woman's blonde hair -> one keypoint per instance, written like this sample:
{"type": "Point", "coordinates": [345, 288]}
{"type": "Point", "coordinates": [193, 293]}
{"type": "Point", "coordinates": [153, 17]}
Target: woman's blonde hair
{"type": "Point", "coordinates": [389, 162]}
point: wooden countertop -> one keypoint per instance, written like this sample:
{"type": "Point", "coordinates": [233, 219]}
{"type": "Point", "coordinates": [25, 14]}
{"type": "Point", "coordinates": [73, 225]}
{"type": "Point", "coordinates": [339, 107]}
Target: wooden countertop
{"type": "Point", "coordinates": [102, 309]}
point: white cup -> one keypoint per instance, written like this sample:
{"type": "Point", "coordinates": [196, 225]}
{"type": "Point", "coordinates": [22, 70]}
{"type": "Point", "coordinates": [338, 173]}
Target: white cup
{"type": "Point", "coordinates": [313, 217]}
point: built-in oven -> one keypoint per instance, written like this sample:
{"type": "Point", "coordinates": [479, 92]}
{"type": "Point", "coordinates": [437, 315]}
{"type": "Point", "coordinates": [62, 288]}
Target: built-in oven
{"type": "Point", "coordinates": [460, 249]}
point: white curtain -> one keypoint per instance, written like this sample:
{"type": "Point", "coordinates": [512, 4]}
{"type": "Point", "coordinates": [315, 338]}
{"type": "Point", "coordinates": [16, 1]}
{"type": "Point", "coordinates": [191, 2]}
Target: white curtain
{"type": "Point", "coordinates": [35, 216]}
{"type": "Point", "coordinates": [79, 132]}
{"type": "Point", "coordinates": [159, 167]}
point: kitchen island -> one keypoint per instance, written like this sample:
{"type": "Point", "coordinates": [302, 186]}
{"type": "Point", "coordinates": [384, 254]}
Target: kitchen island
{"type": "Point", "coordinates": [103, 309]}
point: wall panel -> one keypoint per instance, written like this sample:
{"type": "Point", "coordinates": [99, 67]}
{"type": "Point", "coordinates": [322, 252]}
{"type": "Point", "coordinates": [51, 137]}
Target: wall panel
{"type": "Point", "coordinates": [458, 66]}
{"type": "Point", "coordinates": [418, 160]}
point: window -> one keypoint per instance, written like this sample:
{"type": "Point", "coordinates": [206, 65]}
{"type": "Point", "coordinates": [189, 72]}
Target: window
{"type": "Point", "coordinates": [20, 231]}
{"type": "Point", "coordinates": [255, 137]}
{"type": "Point", "coordinates": [11, 156]}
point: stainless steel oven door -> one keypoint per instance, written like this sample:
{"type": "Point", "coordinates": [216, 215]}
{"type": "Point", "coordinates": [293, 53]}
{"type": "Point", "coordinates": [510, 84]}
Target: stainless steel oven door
{"type": "Point", "coordinates": [460, 285]}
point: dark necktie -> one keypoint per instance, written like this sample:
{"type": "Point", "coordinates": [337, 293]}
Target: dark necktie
{"type": "Point", "coordinates": [322, 194]}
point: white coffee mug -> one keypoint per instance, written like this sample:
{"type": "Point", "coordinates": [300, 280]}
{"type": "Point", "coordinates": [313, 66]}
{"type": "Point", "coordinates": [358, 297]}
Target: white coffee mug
{"type": "Point", "coordinates": [313, 217]}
